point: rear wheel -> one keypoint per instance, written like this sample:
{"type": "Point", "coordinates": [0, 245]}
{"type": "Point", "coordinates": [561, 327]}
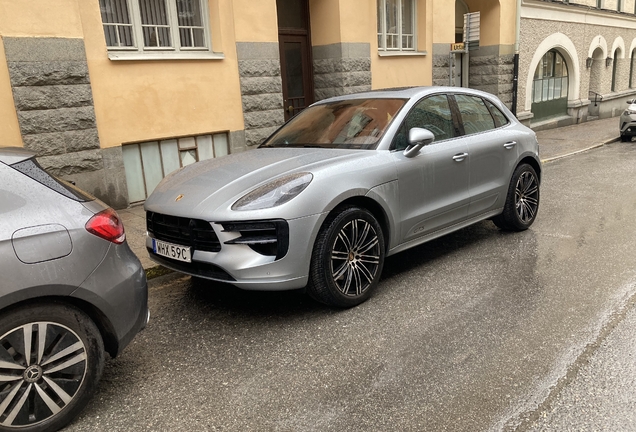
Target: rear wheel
{"type": "Point", "coordinates": [347, 258]}
{"type": "Point", "coordinates": [51, 358]}
{"type": "Point", "coordinates": [522, 200]}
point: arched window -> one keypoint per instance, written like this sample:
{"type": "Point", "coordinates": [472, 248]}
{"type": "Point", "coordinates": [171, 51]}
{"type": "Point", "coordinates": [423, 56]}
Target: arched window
{"type": "Point", "coordinates": [632, 82]}
{"type": "Point", "coordinates": [550, 86]}
{"type": "Point", "coordinates": [614, 67]}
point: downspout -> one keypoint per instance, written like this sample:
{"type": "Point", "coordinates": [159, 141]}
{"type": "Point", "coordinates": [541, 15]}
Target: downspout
{"type": "Point", "coordinates": [515, 72]}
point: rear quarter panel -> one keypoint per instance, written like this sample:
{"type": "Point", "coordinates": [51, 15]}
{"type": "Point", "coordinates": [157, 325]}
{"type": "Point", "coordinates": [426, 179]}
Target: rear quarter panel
{"type": "Point", "coordinates": [26, 205]}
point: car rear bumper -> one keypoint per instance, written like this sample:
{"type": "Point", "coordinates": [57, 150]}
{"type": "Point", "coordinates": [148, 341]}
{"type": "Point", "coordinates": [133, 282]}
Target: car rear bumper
{"type": "Point", "coordinates": [119, 290]}
{"type": "Point", "coordinates": [240, 265]}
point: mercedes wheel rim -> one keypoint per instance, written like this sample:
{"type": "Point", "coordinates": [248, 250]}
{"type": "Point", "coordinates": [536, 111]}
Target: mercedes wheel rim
{"type": "Point", "coordinates": [527, 196]}
{"type": "Point", "coordinates": [42, 367]}
{"type": "Point", "coordinates": [355, 257]}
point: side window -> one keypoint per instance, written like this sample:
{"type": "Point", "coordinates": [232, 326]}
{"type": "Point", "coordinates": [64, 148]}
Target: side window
{"type": "Point", "coordinates": [475, 116]}
{"type": "Point", "coordinates": [432, 113]}
{"type": "Point", "coordinates": [500, 118]}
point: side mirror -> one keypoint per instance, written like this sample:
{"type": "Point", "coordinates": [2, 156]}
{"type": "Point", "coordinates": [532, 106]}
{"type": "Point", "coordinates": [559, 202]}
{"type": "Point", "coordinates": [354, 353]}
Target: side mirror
{"type": "Point", "coordinates": [632, 101]}
{"type": "Point", "coordinates": [418, 138]}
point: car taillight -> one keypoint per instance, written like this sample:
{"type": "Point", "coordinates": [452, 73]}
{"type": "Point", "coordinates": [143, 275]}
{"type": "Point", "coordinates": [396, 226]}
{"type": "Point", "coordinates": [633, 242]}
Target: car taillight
{"type": "Point", "coordinates": [107, 225]}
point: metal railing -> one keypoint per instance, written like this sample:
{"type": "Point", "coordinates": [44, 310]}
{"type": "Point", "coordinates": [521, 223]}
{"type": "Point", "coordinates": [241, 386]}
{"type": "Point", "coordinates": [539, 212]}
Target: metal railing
{"type": "Point", "coordinates": [597, 97]}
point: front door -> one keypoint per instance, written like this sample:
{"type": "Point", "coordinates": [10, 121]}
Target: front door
{"type": "Point", "coordinates": [434, 183]}
{"type": "Point", "coordinates": [295, 55]}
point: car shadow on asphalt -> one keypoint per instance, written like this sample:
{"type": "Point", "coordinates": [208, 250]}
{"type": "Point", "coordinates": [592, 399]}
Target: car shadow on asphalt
{"type": "Point", "coordinates": [213, 297]}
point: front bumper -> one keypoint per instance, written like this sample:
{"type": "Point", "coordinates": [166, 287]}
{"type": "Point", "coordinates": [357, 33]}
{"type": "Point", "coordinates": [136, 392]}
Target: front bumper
{"type": "Point", "coordinates": [628, 127]}
{"type": "Point", "coordinates": [244, 267]}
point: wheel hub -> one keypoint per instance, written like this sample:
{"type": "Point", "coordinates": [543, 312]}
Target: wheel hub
{"type": "Point", "coordinates": [33, 373]}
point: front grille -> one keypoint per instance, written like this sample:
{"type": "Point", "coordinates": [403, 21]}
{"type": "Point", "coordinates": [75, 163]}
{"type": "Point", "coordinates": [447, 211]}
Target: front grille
{"type": "Point", "coordinates": [184, 231]}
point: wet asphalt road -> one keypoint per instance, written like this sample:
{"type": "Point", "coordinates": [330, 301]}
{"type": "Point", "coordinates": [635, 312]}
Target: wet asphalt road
{"type": "Point", "coordinates": [479, 330]}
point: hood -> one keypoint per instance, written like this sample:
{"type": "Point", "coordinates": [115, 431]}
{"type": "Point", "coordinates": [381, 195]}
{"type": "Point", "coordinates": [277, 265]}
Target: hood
{"type": "Point", "coordinates": [208, 185]}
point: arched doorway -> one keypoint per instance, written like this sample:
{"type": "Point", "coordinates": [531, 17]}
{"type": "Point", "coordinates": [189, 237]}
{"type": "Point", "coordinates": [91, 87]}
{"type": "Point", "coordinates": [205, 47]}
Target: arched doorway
{"type": "Point", "coordinates": [550, 86]}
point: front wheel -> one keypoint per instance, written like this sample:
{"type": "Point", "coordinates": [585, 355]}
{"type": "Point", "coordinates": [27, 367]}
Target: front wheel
{"type": "Point", "coordinates": [347, 258]}
{"type": "Point", "coordinates": [625, 138]}
{"type": "Point", "coordinates": [522, 200]}
{"type": "Point", "coordinates": [51, 358]}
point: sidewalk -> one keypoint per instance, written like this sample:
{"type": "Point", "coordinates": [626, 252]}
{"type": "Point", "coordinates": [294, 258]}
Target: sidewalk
{"type": "Point", "coordinates": [554, 144]}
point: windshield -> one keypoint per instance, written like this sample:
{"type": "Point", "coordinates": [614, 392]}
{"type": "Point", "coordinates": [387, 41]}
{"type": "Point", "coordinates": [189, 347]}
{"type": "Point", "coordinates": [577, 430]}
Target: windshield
{"type": "Point", "coordinates": [350, 124]}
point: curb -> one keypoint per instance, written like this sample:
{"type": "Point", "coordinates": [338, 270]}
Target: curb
{"type": "Point", "coordinates": [609, 141]}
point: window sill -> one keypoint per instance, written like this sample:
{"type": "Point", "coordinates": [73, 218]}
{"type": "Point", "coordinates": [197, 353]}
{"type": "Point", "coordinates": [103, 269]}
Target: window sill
{"type": "Point", "coordinates": [402, 53]}
{"type": "Point", "coordinates": [158, 55]}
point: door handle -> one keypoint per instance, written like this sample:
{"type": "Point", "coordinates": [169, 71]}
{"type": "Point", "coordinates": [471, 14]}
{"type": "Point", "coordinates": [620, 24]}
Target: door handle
{"type": "Point", "coordinates": [510, 144]}
{"type": "Point", "coordinates": [290, 109]}
{"type": "Point", "coordinates": [460, 157]}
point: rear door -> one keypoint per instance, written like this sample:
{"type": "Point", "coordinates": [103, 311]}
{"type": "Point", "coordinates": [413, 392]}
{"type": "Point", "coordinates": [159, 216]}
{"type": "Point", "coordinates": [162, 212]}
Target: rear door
{"type": "Point", "coordinates": [493, 151]}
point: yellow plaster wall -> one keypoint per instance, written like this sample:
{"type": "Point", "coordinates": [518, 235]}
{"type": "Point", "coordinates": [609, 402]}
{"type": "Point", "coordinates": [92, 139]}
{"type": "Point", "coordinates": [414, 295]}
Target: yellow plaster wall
{"type": "Point", "coordinates": [497, 21]}
{"type": "Point", "coordinates": [148, 100]}
{"type": "Point", "coordinates": [43, 18]}
{"type": "Point", "coordinates": [354, 17]}
{"type": "Point", "coordinates": [255, 21]}
{"type": "Point", "coordinates": [324, 16]}
{"type": "Point", "coordinates": [9, 128]}
{"type": "Point", "coordinates": [397, 71]}
{"type": "Point", "coordinates": [444, 21]}
{"type": "Point", "coordinates": [28, 18]}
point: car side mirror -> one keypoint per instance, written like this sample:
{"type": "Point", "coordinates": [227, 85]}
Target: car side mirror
{"type": "Point", "coordinates": [418, 138]}
{"type": "Point", "coordinates": [631, 101]}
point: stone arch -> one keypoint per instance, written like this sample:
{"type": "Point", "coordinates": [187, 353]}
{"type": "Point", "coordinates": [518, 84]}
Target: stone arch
{"type": "Point", "coordinates": [597, 42]}
{"type": "Point", "coordinates": [632, 47]}
{"type": "Point", "coordinates": [566, 48]}
{"type": "Point", "coordinates": [619, 44]}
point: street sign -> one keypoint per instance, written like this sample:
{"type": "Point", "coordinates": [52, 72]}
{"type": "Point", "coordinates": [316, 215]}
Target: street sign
{"type": "Point", "coordinates": [471, 30]}
{"type": "Point", "coordinates": [458, 47]}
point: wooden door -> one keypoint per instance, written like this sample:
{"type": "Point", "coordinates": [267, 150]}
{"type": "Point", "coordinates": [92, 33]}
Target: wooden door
{"type": "Point", "coordinates": [295, 55]}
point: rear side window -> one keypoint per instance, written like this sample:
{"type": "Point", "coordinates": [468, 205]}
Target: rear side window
{"type": "Point", "coordinates": [31, 168]}
{"type": "Point", "coordinates": [500, 118]}
{"type": "Point", "coordinates": [475, 115]}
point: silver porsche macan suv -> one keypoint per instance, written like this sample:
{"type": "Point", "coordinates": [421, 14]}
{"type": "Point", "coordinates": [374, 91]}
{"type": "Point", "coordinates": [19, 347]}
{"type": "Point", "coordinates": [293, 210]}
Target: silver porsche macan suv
{"type": "Point", "coordinates": [71, 290]}
{"type": "Point", "coordinates": [344, 184]}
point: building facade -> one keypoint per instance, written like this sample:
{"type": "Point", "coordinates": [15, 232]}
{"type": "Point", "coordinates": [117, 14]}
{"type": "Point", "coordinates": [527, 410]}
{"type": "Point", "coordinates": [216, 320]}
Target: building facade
{"type": "Point", "coordinates": [116, 94]}
{"type": "Point", "coordinates": [576, 60]}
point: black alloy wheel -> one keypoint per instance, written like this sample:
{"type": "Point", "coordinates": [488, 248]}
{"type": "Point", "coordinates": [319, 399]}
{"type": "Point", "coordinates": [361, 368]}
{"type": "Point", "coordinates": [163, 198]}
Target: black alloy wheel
{"type": "Point", "coordinates": [522, 200]}
{"type": "Point", "coordinates": [348, 258]}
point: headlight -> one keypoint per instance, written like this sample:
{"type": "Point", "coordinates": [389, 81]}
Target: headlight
{"type": "Point", "coordinates": [630, 112]}
{"type": "Point", "coordinates": [274, 193]}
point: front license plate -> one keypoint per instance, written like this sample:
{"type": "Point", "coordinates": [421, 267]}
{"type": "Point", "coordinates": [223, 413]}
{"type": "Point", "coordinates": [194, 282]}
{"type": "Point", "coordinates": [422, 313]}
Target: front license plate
{"type": "Point", "coordinates": [171, 250]}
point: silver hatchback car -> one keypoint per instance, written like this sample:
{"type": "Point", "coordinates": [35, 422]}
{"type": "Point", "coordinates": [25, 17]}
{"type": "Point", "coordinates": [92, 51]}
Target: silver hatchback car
{"type": "Point", "coordinates": [71, 290]}
{"type": "Point", "coordinates": [344, 184]}
{"type": "Point", "coordinates": [628, 122]}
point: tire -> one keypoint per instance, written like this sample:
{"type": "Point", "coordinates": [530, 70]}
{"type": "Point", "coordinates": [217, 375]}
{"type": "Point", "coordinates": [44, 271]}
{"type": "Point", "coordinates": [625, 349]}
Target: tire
{"type": "Point", "coordinates": [43, 388]}
{"type": "Point", "coordinates": [625, 138]}
{"type": "Point", "coordinates": [522, 200]}
{"type": "Point", "coordinates": [347, 259]}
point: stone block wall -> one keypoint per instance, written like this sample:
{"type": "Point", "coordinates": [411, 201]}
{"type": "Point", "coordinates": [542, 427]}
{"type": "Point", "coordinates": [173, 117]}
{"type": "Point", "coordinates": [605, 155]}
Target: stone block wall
{"type": "Point", "coordinates": [488, 70]}
{"type": "Point", "coordinates": [341, 68]}
{"type": "Point", "coordinates": [54, 104]}
{"type": "Point", "coordinates": [261, 89]}
{"type": "Point", "coordinates": [441, 65]}
{"type": "Point", "coordinates": [492, 72]}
